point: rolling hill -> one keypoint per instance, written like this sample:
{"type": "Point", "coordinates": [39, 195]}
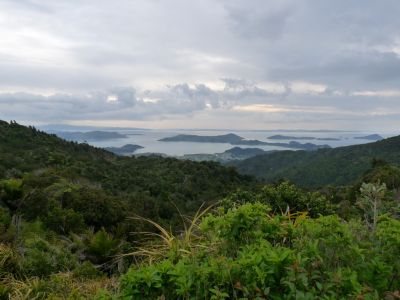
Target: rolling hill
{"type": "Point", "coordinates": [148, 185]}
{"type": "Point", "coordinates": [323, 167]}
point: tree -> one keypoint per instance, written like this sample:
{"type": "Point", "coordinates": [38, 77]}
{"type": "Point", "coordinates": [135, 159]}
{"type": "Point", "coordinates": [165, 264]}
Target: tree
{"type": "Point", "coordinates": [371, 201]}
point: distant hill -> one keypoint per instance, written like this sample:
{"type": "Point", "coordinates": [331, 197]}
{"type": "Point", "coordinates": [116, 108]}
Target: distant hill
{"type": "Point", "coordinates": [225, 138]}
{"type": "Point", "coordinates": [127, 149]}
{"type": "Point", "coordinates": [335, 166]}
{"type": "Point", "coordinates": [371, 137]}
{"type": "Point", "coordinates": [288, 137]}
{"type": "Point", "coordinates": [235, 153]}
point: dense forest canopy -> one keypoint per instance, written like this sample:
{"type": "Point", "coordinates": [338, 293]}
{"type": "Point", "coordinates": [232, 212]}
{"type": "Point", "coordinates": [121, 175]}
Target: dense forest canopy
{"type": "Point", "coordinates": [78, 222]}
{"type": "Point", "coordinates": [315, 169]}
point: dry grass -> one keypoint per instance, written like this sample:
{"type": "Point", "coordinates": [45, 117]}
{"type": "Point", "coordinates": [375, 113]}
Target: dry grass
{"type": "Point", "coordinates": [59, 286]}
{"type": "Point", "coordinates": [166, 243]}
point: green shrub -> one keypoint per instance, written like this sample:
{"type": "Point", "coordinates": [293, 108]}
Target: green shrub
{"type": "Point", "coordinates": [247, 253]}
{"type": "Point", "coordinates": [42, 258]}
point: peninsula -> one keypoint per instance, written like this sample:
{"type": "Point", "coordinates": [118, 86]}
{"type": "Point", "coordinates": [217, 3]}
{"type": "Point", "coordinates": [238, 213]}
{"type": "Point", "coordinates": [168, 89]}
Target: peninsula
{"type": "Point", "coordinates": [125, 150]}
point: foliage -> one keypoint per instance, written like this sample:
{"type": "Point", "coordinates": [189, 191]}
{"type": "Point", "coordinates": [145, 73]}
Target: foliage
{"type": "Point", "coordinates": [283, 197]}
{"type": "Point", "coordinates": [58, 286]}
{"type": "Point", "coordinates": [248, 253]}
{"type": "Point", "coordinates": [371, 201]}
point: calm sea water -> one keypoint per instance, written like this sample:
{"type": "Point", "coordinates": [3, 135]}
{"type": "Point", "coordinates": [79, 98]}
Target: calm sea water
{"type": "Point", "coordinates": [149, 140]}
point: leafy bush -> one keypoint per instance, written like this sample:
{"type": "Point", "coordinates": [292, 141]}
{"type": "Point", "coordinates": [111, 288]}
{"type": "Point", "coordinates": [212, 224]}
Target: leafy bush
{"type": "Point", "coordinates": [283, 197]}
{"type": "Point", "coordinates": [247, 253]}
{"type": "Point", "coordinates": [41, 258]}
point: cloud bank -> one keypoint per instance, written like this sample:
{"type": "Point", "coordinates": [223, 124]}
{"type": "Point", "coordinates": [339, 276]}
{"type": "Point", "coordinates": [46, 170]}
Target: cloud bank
{"type": "Point", "coordinates": [269, 64]}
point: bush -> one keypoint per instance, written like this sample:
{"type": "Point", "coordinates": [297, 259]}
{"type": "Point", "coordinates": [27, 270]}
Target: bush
{"type": "Point", "coordinates": [42, 258]}
{"type": "Point", "coordinates": [247, 253]}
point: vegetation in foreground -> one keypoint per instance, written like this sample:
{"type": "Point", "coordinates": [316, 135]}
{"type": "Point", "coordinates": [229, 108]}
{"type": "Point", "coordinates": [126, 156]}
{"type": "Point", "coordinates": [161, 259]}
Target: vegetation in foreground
{"type": "Point", "coordinates": [249, 253]}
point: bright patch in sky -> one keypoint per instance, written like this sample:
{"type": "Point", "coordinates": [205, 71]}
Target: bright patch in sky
{"type": "Point", "coordinates": [112, 98]}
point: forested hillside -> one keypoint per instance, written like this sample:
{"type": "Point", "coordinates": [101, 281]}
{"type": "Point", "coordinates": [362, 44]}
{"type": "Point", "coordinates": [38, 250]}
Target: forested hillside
{"type": "Point", "coordinates": [146, 184]}
{"type": "Point", "coordinates": [337, 166]}
{"type": "Point", "coordinates": [77, 222]}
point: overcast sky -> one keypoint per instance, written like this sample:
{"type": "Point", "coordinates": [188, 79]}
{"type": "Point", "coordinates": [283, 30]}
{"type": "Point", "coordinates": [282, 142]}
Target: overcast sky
{"type": "Point", "coordinates": [243, 64]}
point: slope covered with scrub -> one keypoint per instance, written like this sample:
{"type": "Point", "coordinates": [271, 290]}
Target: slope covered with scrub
{"type": "Point", "coordinates": [337, 166]}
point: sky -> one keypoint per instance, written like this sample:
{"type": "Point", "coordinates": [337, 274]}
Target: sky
{"type": "Point", "coordinates": [243, 64]}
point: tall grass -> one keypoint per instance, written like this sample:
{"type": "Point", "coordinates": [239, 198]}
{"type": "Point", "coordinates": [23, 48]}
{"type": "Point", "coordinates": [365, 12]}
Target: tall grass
{"type": "Point", "coordinates": [165, 243]}
{"type": "Point", "coordinates": [58, 286]}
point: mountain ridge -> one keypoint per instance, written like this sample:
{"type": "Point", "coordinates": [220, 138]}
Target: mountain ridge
{"type": "Point", "coordinates": [322, 167]}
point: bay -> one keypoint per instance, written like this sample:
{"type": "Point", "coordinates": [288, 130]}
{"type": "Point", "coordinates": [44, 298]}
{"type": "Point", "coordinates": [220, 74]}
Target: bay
{"type": "Point", "coordinates": [149, 139]}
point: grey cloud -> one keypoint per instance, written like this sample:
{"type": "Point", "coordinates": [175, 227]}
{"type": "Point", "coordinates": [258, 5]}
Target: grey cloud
{"type": "Point", "coordinates": [82, 50]}
{"type": "Point", "coordinates": [255, 19]}
{"type": "Point", "coordinates": [182, 98]}
{"type": "Point", "coordinates": [331, 42]}
{"type": "Point", "coordinates": [349, 70]}
{"type": "Point", "coordinates": [62, 78]}
{"type": "Point", "coordinates": [185, 101]}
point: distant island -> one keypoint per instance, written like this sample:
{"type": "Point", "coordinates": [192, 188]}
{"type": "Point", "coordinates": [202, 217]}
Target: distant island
{"type": "Point", "coordinates": [90, 135]}
{"type": "Point", "coordinates": [234, 139]}
{"type": "Point", "coordinates": [288, 137]}
{"type": "Point", "coordinates": [300, 146]}
{"type": "Point", "coordinates": [239, 152]}
{"type": "Point", "coordinates": [125, 150]}
{"type": "Point", "coordinates": [371, 137]}
{"type": "Point", "coordinates": [328, 139]}
{"type": "Point", "coordinates": [225, 138]}
{"type": "Point", "coordinates": [235, 153]}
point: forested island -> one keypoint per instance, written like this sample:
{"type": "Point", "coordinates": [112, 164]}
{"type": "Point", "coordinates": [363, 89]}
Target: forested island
{"type": "Point", "coordinates": [79, 222]}
{"type": "Point", "coordinates": [288, 137]}
{"type": "Point", "coordinates": [127, 149]}
{"type": "Point", "coordinates": [371, 137]}
{"type": "Point", "coordinates": [225, 138]}
{"type": "Point", "coordinates": [234, 139]}
{"type": "Point", "coordinates": [235, 153]}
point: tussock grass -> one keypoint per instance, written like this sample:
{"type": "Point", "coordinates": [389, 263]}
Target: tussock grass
{"type": "Point", "coordinates": [165, 243]}
{"type": "Point", "coordinates": [58, 286]}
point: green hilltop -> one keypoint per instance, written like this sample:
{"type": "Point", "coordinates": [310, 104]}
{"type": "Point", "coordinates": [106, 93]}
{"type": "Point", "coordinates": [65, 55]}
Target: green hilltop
{"type": "Point", "coordinates": [336, 166]}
